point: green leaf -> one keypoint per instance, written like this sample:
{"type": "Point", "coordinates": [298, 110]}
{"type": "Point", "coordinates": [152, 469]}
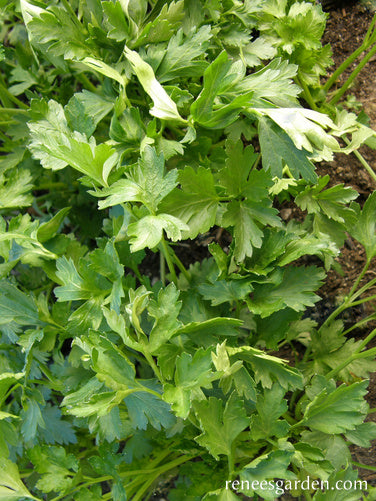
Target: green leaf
{"type": "Point", "coordinates": [239, 162]}
{"type": "Point", "coordinates": [343, 477]}
{"type": "Point", "coordinates": [363, 434]}
{"type": "Point", "coordinates": [337, 410]}
{"type": "Point", "coordinates": [334, 447]}
{"type": "Point", "coordinates": [57, 430]}
{"type": "Point", "coordinates": [55, 32]}
{"type": "Point", "coordinates": [270, 406]}
{"type": "Point", "coordinates": [148, 231]}
{"type": "Point", "coordinates": [11, 486]}
{"type": "Point", "coordinates": [268, 369]}
{"type": "Point", "coordinates": [15, 190]}
{"type": "Point", "coordinates": [165, 311]}
{"type": "Point", "coordinates": [302, 25]}
{"type": "Point", "coordinates": [364, 228]}
{"type": "Point", "coordinates": [164, 107]}
{"type": "Point", "coordinates": [146, 408]}
{"type": "Point", "coordinates": [312, 460]}
{"type": "Point", "coordinates": [195, 203]}
{"type": "Point", "coordinates": [115, 20]}
{"type": "Point", "coordinates": [16, 306]}
{"type": "Point", "coordinates": [266, 467]}
{"type": "Point", "coordinates": [220, 426]}
{"type": "Point", "coordinates": [85, 110]}
{"type": "Point", "coordinates": [57, 468]}
{"type": "Point", "coordinates": [247, 216]}
{"type": "Point", "coordinates": [223, 291]}
{"type": "Point", "coordinates": [191, 374]}
{"type": "Point", "coordinates": [218, 77]}
{"type": "Point", "coordinates": [56, 146]}
{"type": "Point", "coordinates": [146, 183]}
{"type": "Point", "coordinates": [278, 149]}
{"type": "Point", "coordinates": [7, 379]}
{"type": "Point", "coordinates": [294, 290]}
{"type": "Point", "coordinates": [76, 286]}
{"type": "Point", "coordinates": [305, 128]}
{"type": "Point", "coordinates": [49, 229]}
{"type": "Point", "coordinates": [280, 90]}
{"type": "Point", "coordinates": [165, 20]}
{"type": "Point", "coordinates": [331, 201]}
{"type": "Point", "coordinates": [180, 58]}
{"type": "Point", "coordinates": [31, 419]}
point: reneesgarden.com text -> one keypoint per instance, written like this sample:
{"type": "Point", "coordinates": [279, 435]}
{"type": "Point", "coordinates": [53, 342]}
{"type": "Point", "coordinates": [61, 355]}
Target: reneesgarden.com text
{"type": "Point", "coordinates": [282, 486]}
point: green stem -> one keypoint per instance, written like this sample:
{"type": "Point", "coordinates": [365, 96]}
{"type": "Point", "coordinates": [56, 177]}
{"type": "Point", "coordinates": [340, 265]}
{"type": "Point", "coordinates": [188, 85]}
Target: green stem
{"type": "Point", "coordinates": [359, 279]}
{"type": "Point", "coordinates": [161, 470]}
{"type": "Point", "coordinates": [352, 358]}
{"type": "Point", "coordinates": [180, 265]}
{"type": "Point", "coordinates": [358, 324]}
{"type": "Point", "coordinates": [52, 186]}
{"type": "Point", "coordinates": [231, 464]}
{"type": "Point", "coordinates": [337, 96]}
{"type": "Point", "coordinates": [162, 266]}
{"type": "Point", "coordinates": [368, 40]}
{"type": "Point", "coordinates": [364, 466]}
{"type": "Point", "coordinates": [369, 338]}
{"type": "Point", "coordinates": [362, 160]}
{"type": "Point", "coordinates": [306, 93]}
{"type": "Point", "coordinates": [81, 486]}
{"type": "Point", "coordinates": [166, 252]}
{"type": "Point", "coordinates": [12, 111]}
{"type": "Point", "coordinates": [361, 301]}
{"type": "Point", "coordinates": [81, 77]}
{"type": "Point", "coordinates": [372, 411]}
{"type": "Point", "coordinates": [9, 392]}
{"type": "Point", "coordinates": [6, 96]}
{"type": "Point", "coordinates": [347, 302]}
{"type": "Point", "coordinates": [152, 364]}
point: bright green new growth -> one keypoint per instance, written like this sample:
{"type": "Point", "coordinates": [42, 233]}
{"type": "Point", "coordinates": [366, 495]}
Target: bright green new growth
{"type": "Point", "coordinates": [129, 129]}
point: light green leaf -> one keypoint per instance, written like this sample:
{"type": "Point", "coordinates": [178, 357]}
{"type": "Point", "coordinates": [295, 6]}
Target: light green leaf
{"type": "Point", "coordinates": [148, 231]}
{"type": "Point", "coordinates": [234, 176]}
{"type": "Point", "coordinates": [195, 203]}
{"type": "Point", "coordinates": [49, 229]}
{"type": "Point", "coordinates": [11, 486]}
{"type": "Point", "coordinates": [15, 191]}
{"type": "Point", "coordinates": [363, 434]}
{"type": "Point", "coordinates": [268, 369]}
{"type": "Point", "coordinates": [165, 311]}
{"type": "Point", "coordinates": [192, 374]}
{"type": "Point", "coordinates": [218, 78]}
{"type": "Point", "coordinates": [180, 58]}
{"type": "Point", "coordinates": [85, 110]}
{"type": "Point", "coordinates": [164, 107]}
{"type": "Point", "coordinates": [223, 291]}
{"type": "Point", "coordinates": [332, 201]}
{"type": "Point", "coordinates": [337, 410]}
{"type": "Point", "coordinates": [144, 408]}
{"type": "Point", "coordinates": [305, 128]}
{"type": "Point", "coordinates": [16, 306]}
{"type": "Point", "coordinates": [163, 24]}
{"type": "Point", "coordinates": [56, 146]}
{"type": "Point", "coordinates": [280, 90]}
